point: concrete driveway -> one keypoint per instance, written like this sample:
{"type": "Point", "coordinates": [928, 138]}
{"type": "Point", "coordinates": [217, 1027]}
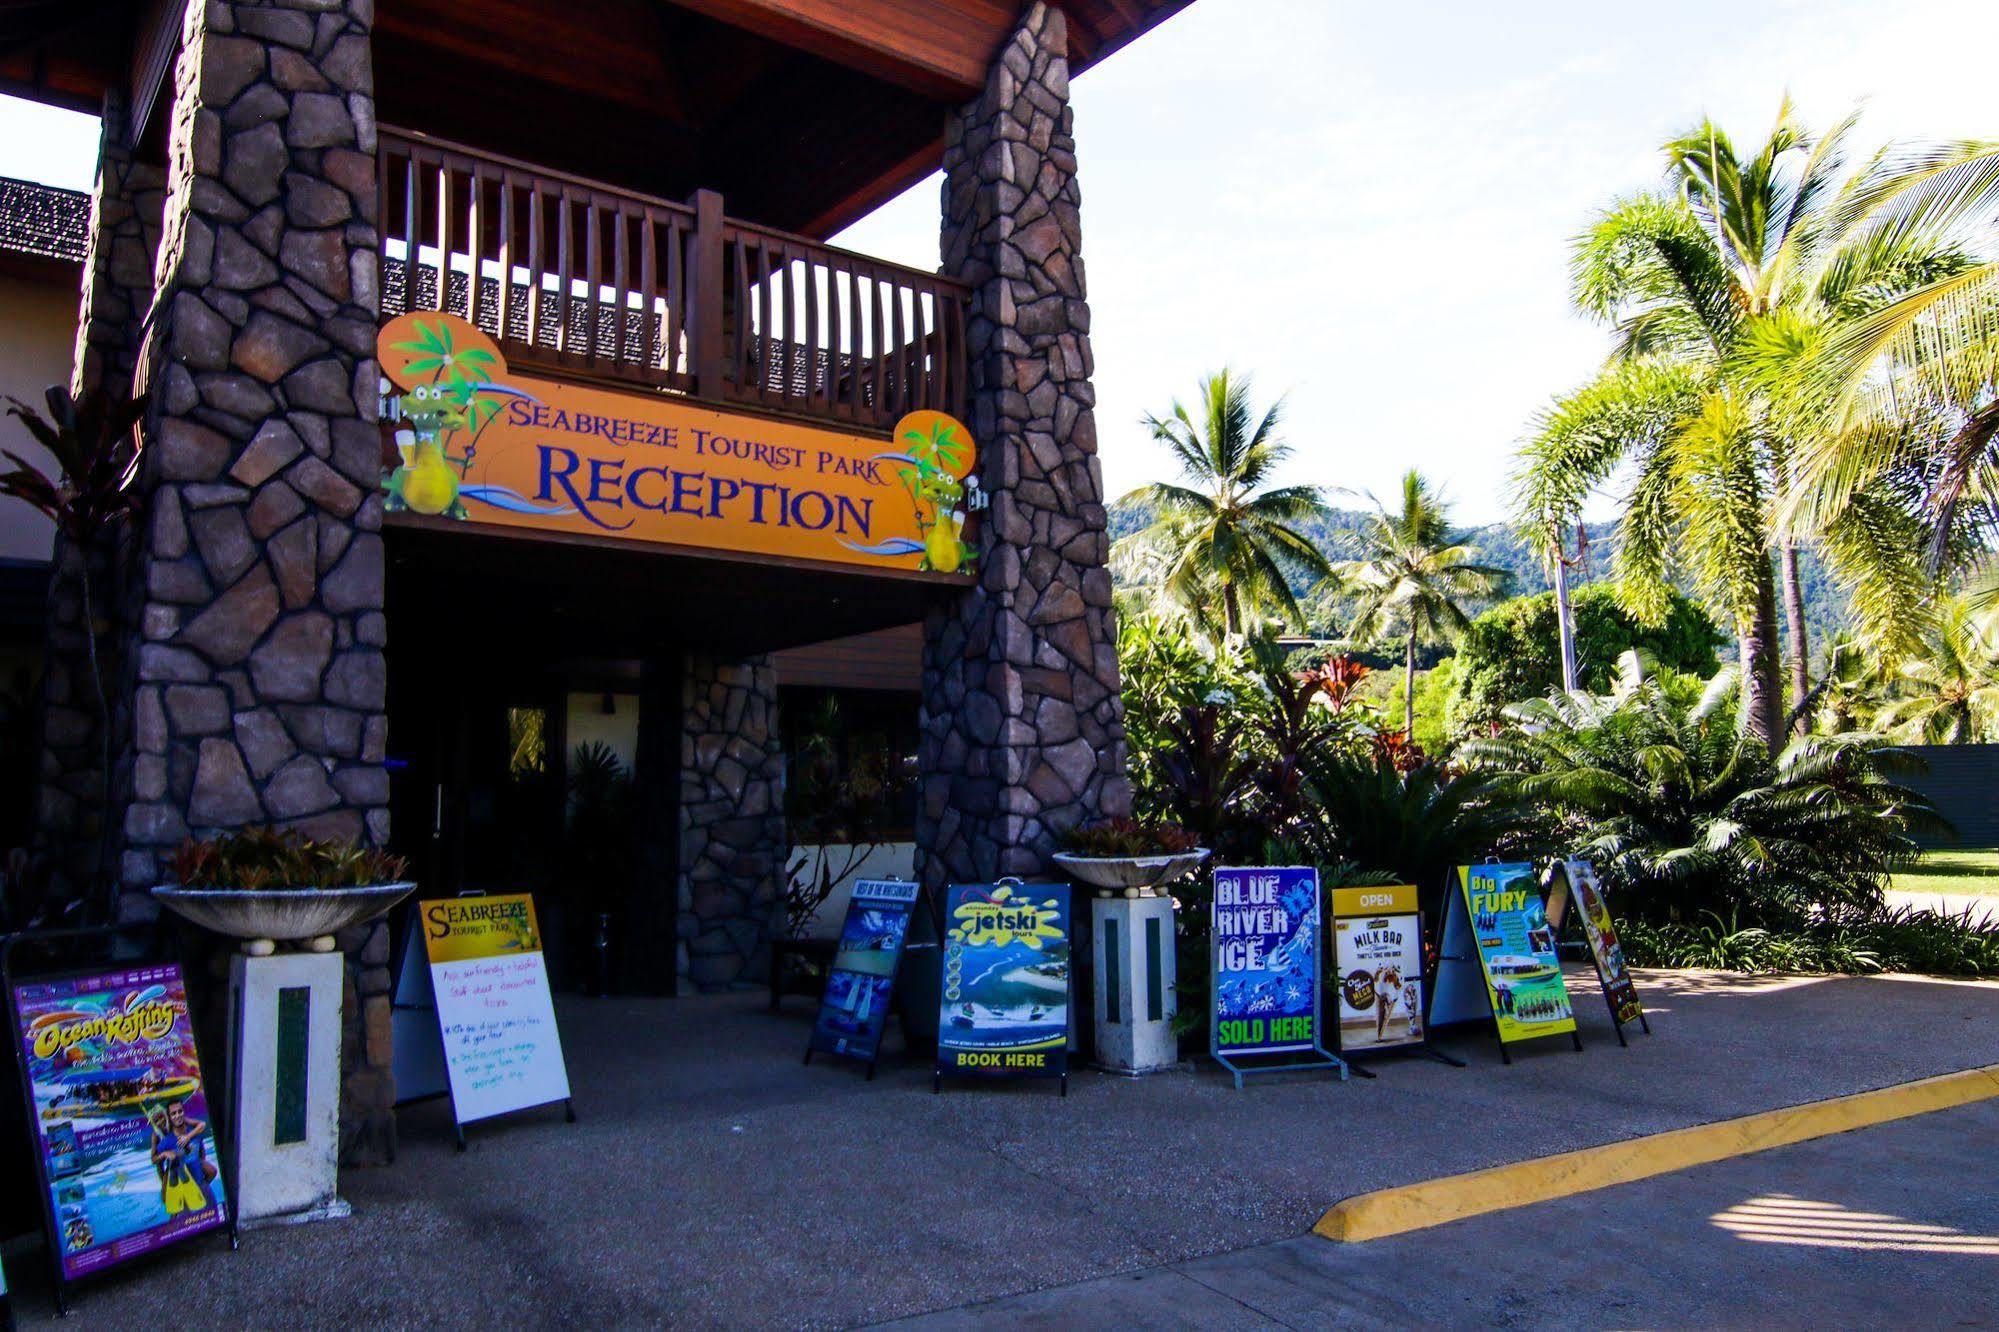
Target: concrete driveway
{"type": "Point", "coordinates": [1880, 1227]}
{"type": "Point", "coordinates": [715, 1182]}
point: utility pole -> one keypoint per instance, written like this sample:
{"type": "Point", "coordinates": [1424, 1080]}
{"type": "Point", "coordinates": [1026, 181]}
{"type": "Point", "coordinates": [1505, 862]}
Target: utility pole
{"type": "Point", "coordinates": [1564, 617]}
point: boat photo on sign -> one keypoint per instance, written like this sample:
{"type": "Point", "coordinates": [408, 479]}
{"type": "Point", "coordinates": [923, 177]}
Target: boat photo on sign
{"type": "Point", "coordinates": [121, 1114]}
{"type": "Point", "coordinates": [1005, 1006]}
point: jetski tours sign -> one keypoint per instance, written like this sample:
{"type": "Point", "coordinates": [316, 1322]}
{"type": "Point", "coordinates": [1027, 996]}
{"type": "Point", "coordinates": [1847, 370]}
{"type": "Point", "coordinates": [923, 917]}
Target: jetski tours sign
{"type": "Point", "coordinates": [1005, 1005]}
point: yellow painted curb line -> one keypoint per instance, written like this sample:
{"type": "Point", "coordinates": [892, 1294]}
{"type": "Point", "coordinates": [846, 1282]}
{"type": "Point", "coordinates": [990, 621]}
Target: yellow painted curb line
{"type": "Point", "coordinates": [1367, 1216]}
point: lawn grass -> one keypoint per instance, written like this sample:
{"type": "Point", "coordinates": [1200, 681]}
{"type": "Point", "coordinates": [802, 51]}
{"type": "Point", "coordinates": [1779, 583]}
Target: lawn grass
{"type": "Point", "coordinates": [1967, 873]}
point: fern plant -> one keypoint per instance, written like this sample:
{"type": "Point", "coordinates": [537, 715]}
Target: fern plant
{"type": "Point", "coordinates": [1682, 814]}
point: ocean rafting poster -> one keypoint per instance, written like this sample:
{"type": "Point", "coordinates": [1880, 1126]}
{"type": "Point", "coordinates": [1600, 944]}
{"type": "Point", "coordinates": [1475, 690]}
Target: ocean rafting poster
{"type": "Point", "coordinates": [121, 1114]}
{"type": "Point", "coordinates": [1516, 951]}
{"type": "Point", "coordinates": [1265, 932]}
{"type": "Point", "coordinates": [1587, 894]}
{"type": "Point", "coordinates": [861, 981]}
{"type": "Point", "coordinates": [478, 442]}
{"type": "Point", "coordinates": [1005, 1006]}
{"type": "Point", "coordinates": [494, 1010]}
{"type": "Point", "coordinates": [1378, 951]}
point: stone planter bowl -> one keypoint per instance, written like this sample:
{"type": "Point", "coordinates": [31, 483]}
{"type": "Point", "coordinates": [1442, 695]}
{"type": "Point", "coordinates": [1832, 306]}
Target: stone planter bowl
{"type": "Point", "coordinates": [280, 913]}
{"type": "Point", "coordinates": [1137, 873]}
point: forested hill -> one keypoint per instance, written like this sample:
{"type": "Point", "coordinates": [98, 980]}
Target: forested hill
{"type": "Point", "coordinates": [1499, 544]}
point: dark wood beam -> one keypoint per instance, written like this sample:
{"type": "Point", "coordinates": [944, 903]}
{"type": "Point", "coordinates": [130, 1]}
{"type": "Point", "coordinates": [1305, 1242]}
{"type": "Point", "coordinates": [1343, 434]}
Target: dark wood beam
{"type": "Point", "coordinates": [939, 48]}
{"type": "Point", "coordinates": [857, 204]}
{"type": "Point", "coordinates": [619, 55]}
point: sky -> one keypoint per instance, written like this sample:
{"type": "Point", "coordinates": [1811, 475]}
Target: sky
{"type": "Point", "coordinates": [1369, 207]}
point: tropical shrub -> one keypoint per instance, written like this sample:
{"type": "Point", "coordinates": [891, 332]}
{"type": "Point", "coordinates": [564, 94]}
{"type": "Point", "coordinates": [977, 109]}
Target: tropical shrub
{"type": "Point", "coordinates": [1897, 939]}
{"type": "Point", "coordinates": [1682, 815]}
{"type": "Point", "coordinates": [1415, 818]}
{"type": "Point", "coordinates": [1508, 655]}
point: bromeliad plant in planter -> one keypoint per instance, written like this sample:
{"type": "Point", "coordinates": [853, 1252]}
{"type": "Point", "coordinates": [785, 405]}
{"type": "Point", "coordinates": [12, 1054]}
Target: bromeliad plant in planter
{"type": "Point", "coordinates": [266, 885]}
{"type": "Point", "coordinates": [1124, 856]}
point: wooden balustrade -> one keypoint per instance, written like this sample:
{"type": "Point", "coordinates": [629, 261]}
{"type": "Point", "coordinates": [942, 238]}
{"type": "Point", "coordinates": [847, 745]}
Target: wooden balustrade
{"type": "Point", "coordinates": [574, 275]}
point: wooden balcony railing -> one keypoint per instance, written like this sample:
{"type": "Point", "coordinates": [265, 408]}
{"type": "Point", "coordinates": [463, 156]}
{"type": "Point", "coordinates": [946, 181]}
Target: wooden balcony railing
{"type": "Point", "coordinates": [570, 274]}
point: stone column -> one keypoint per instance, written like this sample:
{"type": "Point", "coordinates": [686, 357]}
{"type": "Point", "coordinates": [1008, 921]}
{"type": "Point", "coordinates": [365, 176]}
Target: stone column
{"type": "Point", "coordinates": [258, 683]}
{"type": "Point", "coordinates": [732, 833]}
{"type": "Point", "coordinates": [117, 299]}
{"type": "Point", "coordinates": [1023, 728]}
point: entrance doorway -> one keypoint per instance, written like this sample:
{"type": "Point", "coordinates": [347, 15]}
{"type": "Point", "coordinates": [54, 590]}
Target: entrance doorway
{"type": "Point", "coordinates": [537, 719]}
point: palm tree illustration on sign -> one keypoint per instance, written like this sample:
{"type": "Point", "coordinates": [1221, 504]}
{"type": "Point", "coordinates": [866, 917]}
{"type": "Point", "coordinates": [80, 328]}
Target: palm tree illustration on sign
{"type": "Point", "coordinates": [447, 371]}
{"type": "Point", "coordinates": [934, 466]}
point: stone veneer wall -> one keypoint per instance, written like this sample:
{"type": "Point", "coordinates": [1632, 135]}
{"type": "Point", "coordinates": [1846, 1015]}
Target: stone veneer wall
{"type": "Point", "coordinates": [1023, 726]}
{"type": "Point", "coordinates": [732, 832]}
{"type": "Point", "coordinates": [258, 681]}
{"type": "Point", "coordinates": [116, 301]}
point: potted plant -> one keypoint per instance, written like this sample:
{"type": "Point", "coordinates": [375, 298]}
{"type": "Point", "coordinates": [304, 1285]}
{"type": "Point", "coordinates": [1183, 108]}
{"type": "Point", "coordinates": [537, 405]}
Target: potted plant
{"type": "Point", "coordinates": [1124, 856]}
{"type": "Point", "coordinates": [1132, 931]}
{"type": "Point", "coordinates": [264, 885]}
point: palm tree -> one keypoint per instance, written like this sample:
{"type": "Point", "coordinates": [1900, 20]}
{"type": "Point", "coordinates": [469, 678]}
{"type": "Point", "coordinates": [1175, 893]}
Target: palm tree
{"type": "Point", "coordinates": [1908, 387]}
{"type": "Point", "coordinates": [1411, 576]}
{"type": "Point", "coordinates": [1222, 536]}
{"type": "Point", "coordinates": [1950, 690]}
{"type": "Point", "coordinates": [1738, 251]}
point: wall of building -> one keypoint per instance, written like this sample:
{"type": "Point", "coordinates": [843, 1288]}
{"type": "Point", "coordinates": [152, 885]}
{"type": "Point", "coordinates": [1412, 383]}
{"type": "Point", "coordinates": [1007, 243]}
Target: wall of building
{"type": "Point", "coordinates": [1963, 782]}
{"type": "Point", "coordinates": [889, 860]}
{"type": "Point", "coordinates": [37, 335]}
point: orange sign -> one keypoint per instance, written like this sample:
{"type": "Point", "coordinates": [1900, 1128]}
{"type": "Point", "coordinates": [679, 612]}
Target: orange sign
{"type": "Point", "coordinates": [475, 441]}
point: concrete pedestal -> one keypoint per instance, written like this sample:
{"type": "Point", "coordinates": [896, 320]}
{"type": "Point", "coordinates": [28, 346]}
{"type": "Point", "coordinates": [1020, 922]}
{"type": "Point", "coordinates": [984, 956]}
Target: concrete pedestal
{"type": "Point", "coordinates": [1133, 995]}
{"type": "Point", "coordinates": [284, 1013]}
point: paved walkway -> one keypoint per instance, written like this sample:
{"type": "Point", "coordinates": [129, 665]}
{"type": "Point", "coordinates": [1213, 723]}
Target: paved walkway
{"type": "Point", "coordinates": [1984, 908]}
{"type": "Point", "coordinates": [715, 1182]}
{"type": "Point", "coordinates": [1881, 1227]}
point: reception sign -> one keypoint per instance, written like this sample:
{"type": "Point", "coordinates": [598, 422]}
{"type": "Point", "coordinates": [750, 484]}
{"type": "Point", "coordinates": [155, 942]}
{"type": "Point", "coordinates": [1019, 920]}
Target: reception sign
{"type": "Point", "coordinates": [477, 441]}
{"type": "Point", "coordinates": [1378, 955]}
{"type": "Point", "coordinates": [123, 1143]}
{"type": "Point", "coordinates": [1005, 1007]}
{"type": "Point", "coordinates": [494, 1010]}
{"type": "Point", "coordinates": [861, 980]}
{"type": "Point", "coordinates": [1516, 951]}
{"type": "Point", "coordinates": [1265, 938]}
